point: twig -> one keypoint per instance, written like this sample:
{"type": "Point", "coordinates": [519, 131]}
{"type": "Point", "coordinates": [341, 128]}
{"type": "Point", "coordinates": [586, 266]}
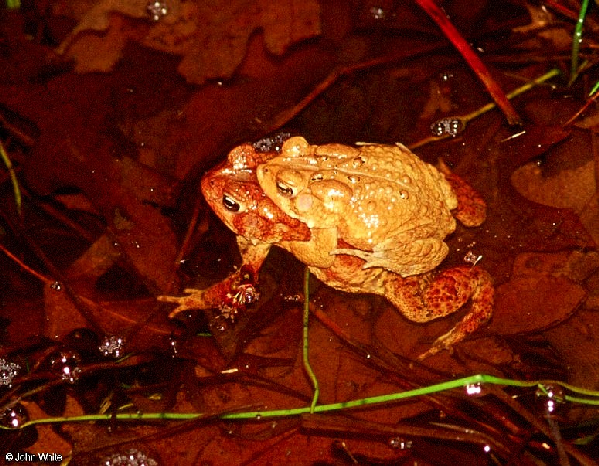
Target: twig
{"type": "Point", "coordinates": [39, 276]}
{"type": "Point", "coordinates": [287, 115]}
{"type": "Point", "coordinates": [590, 101]}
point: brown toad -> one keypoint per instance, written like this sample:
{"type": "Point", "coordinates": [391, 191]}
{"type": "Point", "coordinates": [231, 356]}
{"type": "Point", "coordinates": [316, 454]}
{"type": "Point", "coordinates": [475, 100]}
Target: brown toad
{"type": "Point", "coordinates": [393, 209]}
{"type": "Point", "coordinates": [370, 219]}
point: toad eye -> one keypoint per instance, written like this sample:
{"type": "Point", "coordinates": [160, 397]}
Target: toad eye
{"type": "Point", "coordinates": [284, 189]}
{"type": "Point", "coordinates": [230, 204]}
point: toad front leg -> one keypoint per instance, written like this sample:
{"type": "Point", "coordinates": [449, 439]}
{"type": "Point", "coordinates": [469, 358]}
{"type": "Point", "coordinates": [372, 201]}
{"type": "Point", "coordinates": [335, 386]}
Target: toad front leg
{"type": "Point", "coordinates": [423, 298]}
{"type": "Point", "coordinates": [401, 259]}
{"type": "Point", "coordinates": [231, 294]}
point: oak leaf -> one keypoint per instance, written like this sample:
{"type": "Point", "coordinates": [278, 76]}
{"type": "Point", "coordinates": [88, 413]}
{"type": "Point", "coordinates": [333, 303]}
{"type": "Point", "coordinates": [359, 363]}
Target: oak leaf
{"type": "Point", "coordinates": [211, 37]}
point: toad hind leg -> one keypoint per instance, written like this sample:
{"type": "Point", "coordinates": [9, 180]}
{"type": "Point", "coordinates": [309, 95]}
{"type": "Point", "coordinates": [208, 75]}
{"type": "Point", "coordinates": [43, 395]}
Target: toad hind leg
{"type": "Point", "coordinates": [472, 209]}
{"type": "Point", "coordinates": [424, 298]}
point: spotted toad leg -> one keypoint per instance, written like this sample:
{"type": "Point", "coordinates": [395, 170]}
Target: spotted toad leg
{"type": "Point", "coordinates": [217, 295]}
{"type": "Point", "coordinates": [472, 209]}
{"type": "Point", "coordinates": [424, 298]}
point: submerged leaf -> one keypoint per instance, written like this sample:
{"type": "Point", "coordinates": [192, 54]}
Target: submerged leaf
{"type": "Point", "coordinates": [211, 37]}
{"type": "Point", "coordinates": [543, 291]}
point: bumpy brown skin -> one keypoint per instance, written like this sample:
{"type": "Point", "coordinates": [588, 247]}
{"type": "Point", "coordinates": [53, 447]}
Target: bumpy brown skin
{"type": "Point", "coordinates": [392, 209]}
{"type": "Point", "coordinates": [233, 192]}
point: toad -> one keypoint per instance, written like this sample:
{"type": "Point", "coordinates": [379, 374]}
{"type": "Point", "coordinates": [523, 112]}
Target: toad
{"type": "Point", "coordinates": [367, 219]}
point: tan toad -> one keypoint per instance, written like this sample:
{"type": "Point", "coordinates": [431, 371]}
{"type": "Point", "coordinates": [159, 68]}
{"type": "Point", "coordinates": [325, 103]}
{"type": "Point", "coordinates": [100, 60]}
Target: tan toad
{"type": "Point", "coordinates": [391, 208]}
{"type": "Point", "coordinates": [369, 219]}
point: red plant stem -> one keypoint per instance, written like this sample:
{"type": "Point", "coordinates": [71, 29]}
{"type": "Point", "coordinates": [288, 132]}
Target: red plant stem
{"type": "Point", "coordinates": [590, 101]}
{"type": "Point", "coordinates": [562, 9]}
{"type": "Point", "coordinates": [39, 276]}
{"type": "Point", "coordinates": [439, 17]}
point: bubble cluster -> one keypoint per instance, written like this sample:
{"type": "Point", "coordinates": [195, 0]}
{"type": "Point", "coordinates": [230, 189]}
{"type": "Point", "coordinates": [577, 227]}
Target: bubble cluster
{"type": "Point", "coordinates": [174, 345]}
{"type": "Point", "coordinates": [133, 457]}
{"type": "Point", "coordinates": [472, 258]}
{"type": "Point", "coordinates": [66, 364]}
{"type": "Point", "coordinates": [8, 371]}
{"type": "Point", "coordinates": [15, 416]}
{"type": "Point", "coordinates": [56, 286]}
{"type": "Point", "coordinates": [293, 298]}
{"type": "Point", "coordinates": [271, 143]}
{"type": "Point", "coordinates": [112, 346]}
{"type": "Point", "coordinates": [400, 443]}
{"type": "Point", "coordinates": [446, 127]}
{"type": "Point", "coordinates": [376, 12]}
{"type": "Point", "coordinates": [156, 10]}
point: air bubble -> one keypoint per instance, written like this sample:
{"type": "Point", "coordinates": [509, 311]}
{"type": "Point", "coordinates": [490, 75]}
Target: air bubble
{"type": "Point", "coordinates": [156, 10]}
{"type": "Point", "coordinates": [15, 416]}
{"type": "Point", "coordinates": [112, 346]}
{"type": "Point", "coordinates": [56, 286]}
{"type": "Point", "coordinates": [474, 389]}
{"type": "Point", "coordinates": [293, 298]}
{"type": "Point", "coordinates": [271, 143]}
{"type": "Point", "coordinates": [220, 324]}
{"type": "Point", "coordinates": [376, 12]}
{"type": "Point", "coordinates": [550, 398]}
{"type": "Point", "coordinates": [174, 346]}
{"type": "Point", "coordinates": [400, 444]}
{"type": "Point", "coordinates": [472, 258]}
{"type": "Point", "coordinates": [447, 127]}
{"type": "Point", "coordinates": [66, 364]}
{"type": "Point", "coordinates": [446, 76]}
{"type": "Point", "coordinates": [358, 161]}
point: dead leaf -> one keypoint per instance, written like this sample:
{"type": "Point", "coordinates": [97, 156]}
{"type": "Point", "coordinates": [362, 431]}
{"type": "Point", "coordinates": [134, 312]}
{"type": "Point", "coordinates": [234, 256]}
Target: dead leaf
{"type": "Point", "coordinates": [98, 258]}
{"type": "Point", "coordinates": [62, 315]}
{"type": "Point", "coordinates": [48, 440]}
{"type": "Point", "coordinates": [99, 53]}
{"type": "Point", "coordinates": [540, 18]}
{"type": "Point", "coordinates": [534, 226]}
{"type": "Point", "coordinates": [532, 304]}
{"type": "Point", "coordinates": [571, 188]}
{"type": "Point", "coordinates": [538, 296]}
{"type": "Point", "coordinates": [211, 37]}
